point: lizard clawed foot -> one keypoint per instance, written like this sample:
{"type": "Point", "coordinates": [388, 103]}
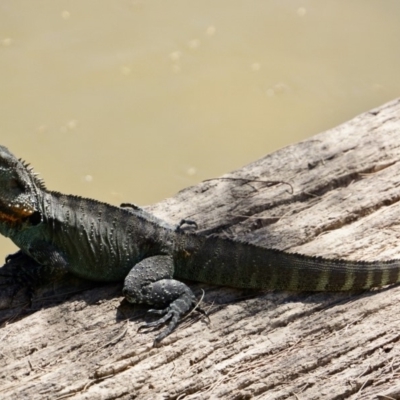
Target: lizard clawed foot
{"type": "Point", "coordinates": [173, 313]}
{"type": "Point", "coordinates": [150, 282]}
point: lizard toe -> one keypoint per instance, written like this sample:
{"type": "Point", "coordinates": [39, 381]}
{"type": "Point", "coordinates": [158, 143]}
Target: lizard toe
{"type": "Point", "coordinates": [158, 322]}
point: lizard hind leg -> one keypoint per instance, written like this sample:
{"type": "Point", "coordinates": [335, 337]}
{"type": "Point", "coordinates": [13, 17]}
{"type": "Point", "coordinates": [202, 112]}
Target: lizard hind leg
{"type": "Point", "coordinates": [150, 282]}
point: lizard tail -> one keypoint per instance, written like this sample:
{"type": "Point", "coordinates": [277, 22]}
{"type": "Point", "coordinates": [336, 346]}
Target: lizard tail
{"type": "Point", "coordinates": [244, 265]}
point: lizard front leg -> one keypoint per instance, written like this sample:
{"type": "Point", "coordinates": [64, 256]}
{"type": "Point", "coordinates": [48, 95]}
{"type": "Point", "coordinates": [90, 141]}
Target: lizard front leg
{"type": "Point", "coordinates": [150, 282]}
{"type": "Point", "coordinates": [42, 265]}
{"type": "Point", "coordinates": [20, 271]}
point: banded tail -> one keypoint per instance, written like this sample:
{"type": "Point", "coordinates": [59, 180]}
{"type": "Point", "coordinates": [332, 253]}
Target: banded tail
{"type": "Point", "coordinates": [237, 264]}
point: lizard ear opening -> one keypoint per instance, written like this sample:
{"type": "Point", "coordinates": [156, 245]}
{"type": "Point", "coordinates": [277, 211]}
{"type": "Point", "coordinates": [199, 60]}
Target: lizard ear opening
{"type": "Point", "coordinates": [35, 218]}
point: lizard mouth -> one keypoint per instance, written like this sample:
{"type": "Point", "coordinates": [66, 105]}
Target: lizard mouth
{"type": "Point", "coordinates": [13, 214]}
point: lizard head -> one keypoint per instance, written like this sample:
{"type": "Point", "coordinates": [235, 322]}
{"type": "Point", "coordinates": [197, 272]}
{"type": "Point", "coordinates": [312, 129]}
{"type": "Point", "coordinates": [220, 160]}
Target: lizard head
{"type": "Point", "coordinates": [19, 188]}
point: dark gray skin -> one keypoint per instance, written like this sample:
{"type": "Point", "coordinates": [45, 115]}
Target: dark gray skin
{"type": "Point", "coordinates": [100, 242]}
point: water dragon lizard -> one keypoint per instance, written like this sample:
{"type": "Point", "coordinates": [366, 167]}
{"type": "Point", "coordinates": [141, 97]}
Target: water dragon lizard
{"type": "Point", "coordinates": [59, 233]}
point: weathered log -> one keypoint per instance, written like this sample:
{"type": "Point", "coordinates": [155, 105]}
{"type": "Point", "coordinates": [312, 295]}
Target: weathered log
{"type": "Point", "coordinates": [335, 195]}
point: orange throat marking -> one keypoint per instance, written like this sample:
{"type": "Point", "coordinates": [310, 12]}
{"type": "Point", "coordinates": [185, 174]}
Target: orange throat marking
{"type": "Point", "coordinates": [14, 215]}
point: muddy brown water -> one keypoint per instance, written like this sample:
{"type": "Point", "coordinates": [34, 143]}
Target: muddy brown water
{"type": "Point", "coordinates": [135, 100]}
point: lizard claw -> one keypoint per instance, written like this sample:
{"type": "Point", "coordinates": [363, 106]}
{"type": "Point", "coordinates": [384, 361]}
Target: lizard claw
{"type": "Point", "coordinates": [171, 313]}
{"type": "Point", "coordinates": [155, 311]}
{"type": "Point", "coordinates": [188, 222]}
{"type": "Point", "coordinates": [158, 322]}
